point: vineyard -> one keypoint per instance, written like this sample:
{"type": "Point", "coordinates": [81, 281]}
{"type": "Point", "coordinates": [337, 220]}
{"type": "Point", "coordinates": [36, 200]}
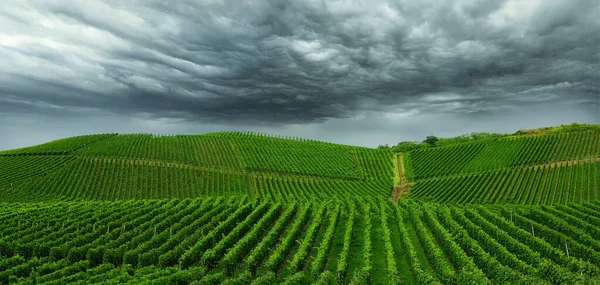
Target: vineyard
{"type": "Point", "coordinates": [141, 166]}
{"type": "Point", "coordinates": [241, 240]}
{"type": "Point", "coordinates": [503, 153]}
{"type": "Point", "coordinates": [557, 168]}
{"type": "Point", "coordinates": [249, 208]}
{"type": "Point", "coordinates": [574, 182]}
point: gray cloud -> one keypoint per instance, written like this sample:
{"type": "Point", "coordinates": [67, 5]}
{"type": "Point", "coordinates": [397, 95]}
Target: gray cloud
{"type": "Point", "coordinates": [296, 62]}
{"type": "Point", "coordinates": [369, 128]}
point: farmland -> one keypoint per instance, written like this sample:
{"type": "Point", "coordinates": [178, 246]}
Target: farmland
{"type": "Point", "coordinates": [249, 208]}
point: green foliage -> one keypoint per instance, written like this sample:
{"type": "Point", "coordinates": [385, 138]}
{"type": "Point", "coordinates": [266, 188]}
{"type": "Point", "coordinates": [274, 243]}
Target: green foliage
{"type": "Point", "coordinates": [286, 243]}
{"type": "Point", "coordinates": [296, 279]}
{"type": "Point", "coordinates": [573, 127]}
{"type": "Point", "coordinates": [260, 251]}
{"type": "Point", "coordinates": [246, 208]}
{"type": "Point", "coordinates": [392, 270]}
{"type": "Point", "coordinates": [472, 137]}
{"type": "Point", "coordinates": [142, 166]}
{"type": "Point", "coordinates": [303, 252]}
{"type": "Point", "coordinates": [310, 158]}
{"type": "Point", "coordinates": [416, 268]}
{"type": "Point", "coordinates": [364, 274]}
{"type": "Point", "coordinates": [497, 154]}
{"type": "Point", "coordinates": [318, 264]}
{"type": "Point", "coordinates": [325, 278]}
{"type": "Point", "coordinates": [442, 269]}
{"type": "Point", "coordinates": [480, 244]}
{"type": "Point", "coordinates": [211, 257]}
{"type": "Point", "coordinates": [342, 265]}
{"type": "Point", "coordinates": [16, 169]}
{"type": "Point", "coordinates": [57, 147]}
{"type": "Point", "coordinates": [408, 146]}
{"type": "Point", "coordinates": [543, 185]}
{"type": "Point", "coordinates": [431, 140]}
{"type": "Point", "coordinates": [441, 161]}
{"type": "Point", "coordinates": [267, 279]}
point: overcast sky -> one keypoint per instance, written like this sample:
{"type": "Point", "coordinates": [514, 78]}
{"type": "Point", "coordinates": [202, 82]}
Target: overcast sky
{"type": "Point", "coordinates": [355, 72]}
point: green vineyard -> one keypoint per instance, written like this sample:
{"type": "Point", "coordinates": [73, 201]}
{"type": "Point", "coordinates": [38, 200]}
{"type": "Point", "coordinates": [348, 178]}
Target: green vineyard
{"type": "Point", "coordinates": [248, 208]}
{"type": "Point", "coordinates": [501, 153]}
{"type": "Point", "coordinates": [241, 240]}
{"type": "Point", "coordinates": [573, 182]}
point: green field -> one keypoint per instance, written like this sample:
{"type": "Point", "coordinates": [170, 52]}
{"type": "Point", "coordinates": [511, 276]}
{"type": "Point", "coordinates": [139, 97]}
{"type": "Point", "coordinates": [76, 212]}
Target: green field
{"type": "Point", "coordinates": [247, 208]}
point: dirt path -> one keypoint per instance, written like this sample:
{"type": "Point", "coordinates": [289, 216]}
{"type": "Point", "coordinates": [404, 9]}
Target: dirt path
{"type": "Point", "coordinates": [401, 169]}
{"type": "Point", "coordinates": [402, 186]}
{"type": "Point", "coordinates": [146, 162]}
{"type": "Point", "coordinates": [565, 163]}
{"type": "Point", "coordinates": [522, 167]}
{"type": "Point", "coordinates": [280, 174]}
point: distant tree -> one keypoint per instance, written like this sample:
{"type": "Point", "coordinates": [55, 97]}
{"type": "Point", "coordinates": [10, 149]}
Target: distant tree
{"type": "Point", "coordinates": [408, 146]}
{"type": "Point", "coordinates": [386, 146]}
{"type": "Point", "coordinates": [431, 140]}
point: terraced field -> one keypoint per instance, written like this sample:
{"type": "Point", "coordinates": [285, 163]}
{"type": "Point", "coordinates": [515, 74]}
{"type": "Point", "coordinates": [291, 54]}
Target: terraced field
{"type": "Point", "coordinates": [244, 208]}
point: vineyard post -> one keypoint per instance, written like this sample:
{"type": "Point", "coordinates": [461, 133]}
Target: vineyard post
{"type": "Point", "coordinates": [532, 231]}
{"type": "Point", "coordinates": [567, 248]}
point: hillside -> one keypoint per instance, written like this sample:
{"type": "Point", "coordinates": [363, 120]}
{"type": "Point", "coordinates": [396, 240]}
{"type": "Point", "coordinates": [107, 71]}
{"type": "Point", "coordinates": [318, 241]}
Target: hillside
{"type": "Point", "coordinates": [246, 208]}
{"type": "Point", "coordinates": [553, 168]}
{"type": "Point", "coordinates": [141, 166]}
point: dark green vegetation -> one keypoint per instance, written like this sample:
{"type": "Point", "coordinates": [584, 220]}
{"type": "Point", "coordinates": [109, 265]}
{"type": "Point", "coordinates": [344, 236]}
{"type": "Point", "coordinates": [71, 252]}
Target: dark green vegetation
{"type": "Point", "coordinates": [555, 168]}
{"type": "Point", "coordinates": [242, 208]}
{"type": "Point", "coordinates": [122, 167]}
{"type": "Point", "coordinates": [433, 141]}
{"type": "Point", "coordinates": [575, 181]}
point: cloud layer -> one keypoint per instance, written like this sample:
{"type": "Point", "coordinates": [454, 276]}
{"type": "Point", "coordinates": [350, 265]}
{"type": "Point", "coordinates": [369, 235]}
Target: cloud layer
{"type": "Point", "coordinates": [296, 62]}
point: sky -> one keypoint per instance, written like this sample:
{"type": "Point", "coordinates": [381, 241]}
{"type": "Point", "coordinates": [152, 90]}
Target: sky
{"type": "Point", "coordinates": [353, 72]}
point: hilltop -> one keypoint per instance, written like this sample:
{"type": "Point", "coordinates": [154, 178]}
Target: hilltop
{"type": "Point", "coordinates": [184, 166]}
{"type": "Point", "coordinates": [249, 208]}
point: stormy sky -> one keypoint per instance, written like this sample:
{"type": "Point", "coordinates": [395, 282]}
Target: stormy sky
{"type": "Point", "coordinates": [355, 72]}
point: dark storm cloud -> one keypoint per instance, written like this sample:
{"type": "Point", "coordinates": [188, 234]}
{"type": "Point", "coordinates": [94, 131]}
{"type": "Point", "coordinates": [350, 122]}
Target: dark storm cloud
{"type": "Point", "coordinates": [295, 61]}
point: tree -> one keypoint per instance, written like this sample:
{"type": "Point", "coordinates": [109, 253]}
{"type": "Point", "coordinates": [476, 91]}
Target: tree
{"type": "Point", "coordinates": [386, 146]}
{"type": "Point", "coordinates": [408, 146]}
{"type": "Point", "coordinates": [431, 140]}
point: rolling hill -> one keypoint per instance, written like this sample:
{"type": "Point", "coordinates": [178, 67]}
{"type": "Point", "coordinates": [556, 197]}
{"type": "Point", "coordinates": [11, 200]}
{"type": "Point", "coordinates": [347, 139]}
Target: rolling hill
{"type": "Point", "coordinates": [248, 208]}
